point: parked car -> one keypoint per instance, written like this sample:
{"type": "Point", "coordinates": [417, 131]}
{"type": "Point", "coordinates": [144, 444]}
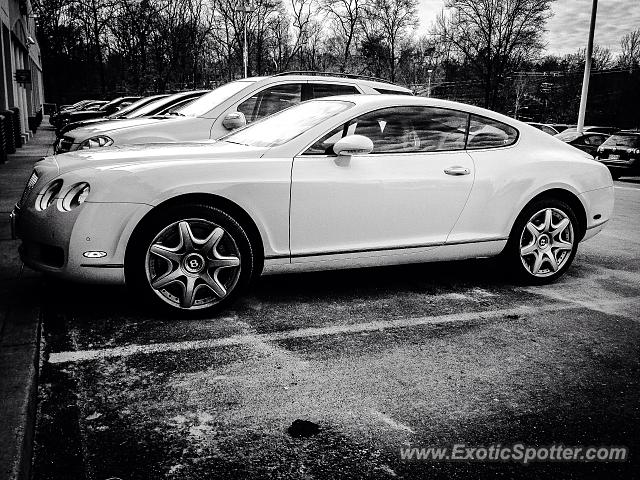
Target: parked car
{"type": "Point", "coordinates": [107, 109]}
{"type": "Point", "coordinates": [621, 153]}
{"type": "Point", "coordinates": [560, 127]}
{"type": "Point", "coordinates": [158, 105]}
{"type": "Point", "coordinates": [121, 113]}
{"type": "Point", "coordinates": [226, 108]}
{"type": "Point", "coordinates": [76, 107]}
{"type": "Point", "coordinates": [544, 127]}
{"type": "Point", "coordinates": [332, 183]}
{"type": "Point", "coordinates": [587, 141]}
{"type": "Point", "coordinates": [591, 128]}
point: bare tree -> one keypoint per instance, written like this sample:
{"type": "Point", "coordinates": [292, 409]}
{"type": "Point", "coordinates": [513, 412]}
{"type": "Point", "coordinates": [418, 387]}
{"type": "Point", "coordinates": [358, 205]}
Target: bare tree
{"type": "Point", "coordinates": [346, 18]}
{"type": "Point", "coordinates": [495, 37]}
{"type": "Point", "coordinates": [391, 20]}
{"type": "Point", "coordinates": [630, 46]}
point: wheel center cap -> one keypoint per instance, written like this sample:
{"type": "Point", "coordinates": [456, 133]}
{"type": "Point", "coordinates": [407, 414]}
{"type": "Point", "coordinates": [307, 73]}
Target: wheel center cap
{"type": "Point", "coordinates": [193, 263]}
{"type": "Point", "coordinates": [543, 241]}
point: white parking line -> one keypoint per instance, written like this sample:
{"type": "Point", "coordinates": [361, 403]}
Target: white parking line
{"type": "Point", "coordinates": [391, 422]}
{"type": "Point", "coordinates": [310, 332]}
{"type": "Point", "coordinates": [627, 188]}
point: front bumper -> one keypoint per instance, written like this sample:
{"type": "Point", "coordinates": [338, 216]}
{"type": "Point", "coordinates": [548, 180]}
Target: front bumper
{"type": "Point", "coordinates": [57, 243]}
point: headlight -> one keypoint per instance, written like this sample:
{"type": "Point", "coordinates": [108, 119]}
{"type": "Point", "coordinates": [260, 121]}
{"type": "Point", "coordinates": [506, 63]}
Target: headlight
{"type": "Point", "coordinates": [636, 151]}
{"type": "Point", "coordinates": [48, 195]}
{"type": "Point", "coordinates": [94, 142]}
{"type": "Point", "coordinates": [74, 197]}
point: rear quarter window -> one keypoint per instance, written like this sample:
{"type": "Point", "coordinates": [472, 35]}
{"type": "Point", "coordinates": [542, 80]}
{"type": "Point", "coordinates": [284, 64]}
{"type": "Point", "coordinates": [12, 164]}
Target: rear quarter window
{"type": "Point", "coordinates": [487, 133]}
{"type": "Point", "coordinates": [387, 91]}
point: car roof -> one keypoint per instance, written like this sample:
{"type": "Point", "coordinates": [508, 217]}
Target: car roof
{"type": "Point", "coordinates": [372, 82]}
{"type": "Point", "coordinates": [389, 100]}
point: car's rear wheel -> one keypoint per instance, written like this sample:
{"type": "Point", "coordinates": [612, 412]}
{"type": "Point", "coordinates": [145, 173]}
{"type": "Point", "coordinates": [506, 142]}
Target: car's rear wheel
{"type": "Point", "coordinates": [191, 258]}
{"type": "Point", "coordinates": [543, 241]}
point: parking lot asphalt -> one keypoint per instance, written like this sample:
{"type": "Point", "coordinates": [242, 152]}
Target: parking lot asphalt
{"type": "Point", "coordinates": [379, 359]}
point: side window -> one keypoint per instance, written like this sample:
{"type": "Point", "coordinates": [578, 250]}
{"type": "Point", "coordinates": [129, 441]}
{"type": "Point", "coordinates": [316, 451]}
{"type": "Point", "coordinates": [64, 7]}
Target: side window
{"type": "Point", "coordinates": [413, 129]}
{"type": "Point", "coordinates": [402, 130]}
{"type": "Point", "coordinates": [319, 90]}
{"type": "Point", "coordinates": [595, 140]}
{"type": "Point", "coordinates": [487, 133]}
{"type": "Point", "coordinates": [271, 100]}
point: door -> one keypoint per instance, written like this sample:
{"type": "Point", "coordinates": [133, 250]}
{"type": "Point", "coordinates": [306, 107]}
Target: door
{"type": "Point", "coordinates": [408, 192]}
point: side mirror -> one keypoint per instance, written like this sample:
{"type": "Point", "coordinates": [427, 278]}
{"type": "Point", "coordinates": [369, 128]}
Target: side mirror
{"type": "Point", "coordinates": [234, 120]}
{"type": "Point", "coordinates": [353, 145]}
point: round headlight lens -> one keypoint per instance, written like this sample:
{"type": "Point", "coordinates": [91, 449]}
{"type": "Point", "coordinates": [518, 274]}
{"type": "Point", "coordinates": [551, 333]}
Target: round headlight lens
{"type": "Point", "coordinates": [48, 195]}
{"type": "Point", "coordinates": [74, 197]}
{"type": "Point", "coordinates": [96, 142]}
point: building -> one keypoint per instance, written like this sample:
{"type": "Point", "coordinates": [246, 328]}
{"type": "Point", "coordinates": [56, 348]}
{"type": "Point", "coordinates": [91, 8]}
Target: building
{"type": "Point", "coordinates": [21, 83]}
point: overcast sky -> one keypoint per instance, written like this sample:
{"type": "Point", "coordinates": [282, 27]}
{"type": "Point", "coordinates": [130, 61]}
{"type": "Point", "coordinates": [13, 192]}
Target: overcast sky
{"type": "Point", "coordinates": [568, 29]}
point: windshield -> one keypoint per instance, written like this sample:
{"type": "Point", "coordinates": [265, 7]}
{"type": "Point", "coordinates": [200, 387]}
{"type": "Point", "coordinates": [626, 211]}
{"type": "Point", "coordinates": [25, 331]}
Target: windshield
{"type": "Point", "coordinates": [214, 98]}
{"type": "Point", "coordinates": [136, 105]}
{"type": "Point", "coordinates": [623, 140]}
{"type": "Point", "coordinates": [108, 104]}
{"type": "Point", "coordinates": [288, 124]}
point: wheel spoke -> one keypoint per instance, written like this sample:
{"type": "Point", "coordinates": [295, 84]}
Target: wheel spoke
{"type": "Point", "coordinates": [529, 249]}
{"type": "Point", "coordinates": [558, 229]}
{"type": "Point", "coordinates": [224, 262]}
{"type": "Point", "coordinates": [552, 260]}
{"type": "Point", "coordinates": [214, 284]}
{"type": "Point", "coordinates": [548, 215]}
{"type": "Point", "coordinates": [167, 253]}
{"type": "Point", "coordinates": [189, 292]}
{"type": "Point", "coordinates": [186, 236]}
{"type": "Point", "coordinates": [533, 230]}
{"type": "Point", "coordinates": [562, 245]}
{"type": "Point", "coordinates": [538, 262]}
{"type": "Point", "coordinates": [166, 279]}
{"type": "Point", "coordinates": [212, 241]}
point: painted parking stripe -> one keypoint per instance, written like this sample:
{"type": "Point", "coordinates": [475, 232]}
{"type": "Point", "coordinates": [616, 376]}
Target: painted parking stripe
{"type": "Point", "coordinates": [310, 332]}
{"type": "Point", "coordinates": [627, 188]}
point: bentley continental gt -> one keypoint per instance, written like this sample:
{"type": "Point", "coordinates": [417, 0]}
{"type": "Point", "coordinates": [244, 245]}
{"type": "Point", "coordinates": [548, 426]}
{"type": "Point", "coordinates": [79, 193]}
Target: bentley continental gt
{"type": "Point", "coordinates": [339, 182]}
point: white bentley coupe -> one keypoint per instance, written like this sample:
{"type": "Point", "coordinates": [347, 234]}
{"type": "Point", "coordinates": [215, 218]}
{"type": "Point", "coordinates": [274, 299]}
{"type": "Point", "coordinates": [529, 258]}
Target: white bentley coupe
{"type": "Point", "coordinates": [333, 183]}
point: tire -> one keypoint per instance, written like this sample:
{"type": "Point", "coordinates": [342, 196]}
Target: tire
{"type": "Point", "coordinates": [539, 251]}
{"type": "Point", "coordinates": [192, 258]}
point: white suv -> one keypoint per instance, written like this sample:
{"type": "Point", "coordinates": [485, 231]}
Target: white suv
{"type": "Point", "coordinates": [230, 106]}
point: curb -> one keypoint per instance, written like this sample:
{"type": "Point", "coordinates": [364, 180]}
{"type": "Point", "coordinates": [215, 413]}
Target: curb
{"type": "Point", "coordinates": [19, 364]}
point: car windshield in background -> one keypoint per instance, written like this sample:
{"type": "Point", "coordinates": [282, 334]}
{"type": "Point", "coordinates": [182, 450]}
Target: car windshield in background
{"type": "Point", "coordinates": [136, 105]}
{"type": "Point", "coordinates": [147, 109]}
{"type": "Point", "coordinates": [214, 98]}
{"type": "Point", "coordinates": [623, 140]}
{"type": "Point", "coordinates": [288, 124]}
{"type": "Point", "coordinates": [568, 136]}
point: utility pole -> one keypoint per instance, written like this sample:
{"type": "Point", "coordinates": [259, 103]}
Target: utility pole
{"type": "Point", "coordinates": [246, 9]}
{"type": "Point", "coordinates": [587, 69]}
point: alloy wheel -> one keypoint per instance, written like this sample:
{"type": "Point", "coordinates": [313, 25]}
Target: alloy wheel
{"type": "Point", "coordinates": [193, 264]}
{"type": "Point", "coordinates": [546, 242]}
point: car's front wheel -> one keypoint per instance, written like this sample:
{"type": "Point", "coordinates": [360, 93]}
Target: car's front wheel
{"type": "Point", "coordinates": [543, 241]}
{"type": "Point", "coordinates": [193, 258]}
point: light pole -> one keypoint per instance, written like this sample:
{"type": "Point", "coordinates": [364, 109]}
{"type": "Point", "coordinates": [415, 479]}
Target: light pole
{"type": "Point", "coordinates": [246, 9]}
{"type": "Point", "coordinates": [587, 68]}
{"type": "Point", "coordinates": [429, 84]}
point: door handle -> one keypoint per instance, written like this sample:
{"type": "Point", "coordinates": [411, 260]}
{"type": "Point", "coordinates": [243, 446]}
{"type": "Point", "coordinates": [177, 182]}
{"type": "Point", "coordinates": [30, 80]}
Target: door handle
{"type": "Point", "coordinates": [457, 170]}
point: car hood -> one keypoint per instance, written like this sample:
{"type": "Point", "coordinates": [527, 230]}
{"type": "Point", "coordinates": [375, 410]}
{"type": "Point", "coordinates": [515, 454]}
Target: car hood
{"type": "Point", "coordinates": [134, 158]}
{"type": "Point", "coordinates": [112, 125]}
